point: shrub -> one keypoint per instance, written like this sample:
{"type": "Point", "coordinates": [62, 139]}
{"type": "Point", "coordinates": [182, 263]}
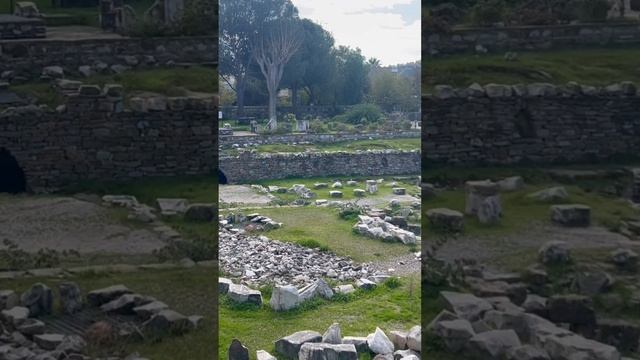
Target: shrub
{"type": "Point", "coordinates": [317, 127]}
{"type": "Point", "coordinates": [361, 114]}
{"type": "Point", "coordinates": [392, 283]}
{"type": "Point", "coordinates": [488, 12]}
{"type": "Point", "coordinates": [350, 211]}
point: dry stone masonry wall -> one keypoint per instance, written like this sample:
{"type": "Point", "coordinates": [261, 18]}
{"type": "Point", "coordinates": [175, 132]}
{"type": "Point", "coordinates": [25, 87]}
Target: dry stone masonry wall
{"type": "Point", "coordinates": [251, 166]}
{"type": "Point", "coordinates": [539, 123]}
{"type": "Point", "coordinates": [529, 38]}
{"type": "Point", "coordinates": [27, 58]}
{"type": "Point", "coordinates": [15, 27]}
{"type": "Point", "coordinates": [232, 141]}
{"type": "Point", "coordinates": [94, 138]}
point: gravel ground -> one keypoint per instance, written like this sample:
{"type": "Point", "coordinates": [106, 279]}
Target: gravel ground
{"type": "Point", "coordinates": [65, 223]}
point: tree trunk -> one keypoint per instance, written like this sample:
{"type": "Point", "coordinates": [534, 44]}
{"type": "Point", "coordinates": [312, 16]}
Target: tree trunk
{"type": "Point", "coordinates": [272, 87]}
{"type": "Point", "coordinates": [240, 88]}
{"type": "Point", "coordinates": [294, 99]}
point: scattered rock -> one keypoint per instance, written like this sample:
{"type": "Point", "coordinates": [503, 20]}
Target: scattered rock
{"type": "Point", "coordinates": [242, 294]}
{"type": "Point", "coordinates": [38, 299]}
{"type": "Point", "coordinates": [574, 215]}
{"type": "Point", "coordinates": [553, 194]}
{"type": "Point", "coordinates": [379, 343]}
{"type": "Point", "coordinates": [446, 219]}
{"type": "Point", "coordinates": [284, 298]}
{"type": "Point", "coordinates": [554, 252]}
{"type": "Point", "coordinates": [237, 351]}
{"type": "Point", "coordinates": [289, 346]}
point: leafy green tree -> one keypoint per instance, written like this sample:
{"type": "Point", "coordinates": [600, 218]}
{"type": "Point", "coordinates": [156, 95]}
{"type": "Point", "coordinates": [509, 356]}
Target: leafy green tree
{"type": "Point", "coordinates": [351, 76]}
{"type": "Point", "coordinates": [393, 92]}
{"type": "Point", "coordinates": [312, 68]}
{"type": "Point", "coordinates": [241, 21]}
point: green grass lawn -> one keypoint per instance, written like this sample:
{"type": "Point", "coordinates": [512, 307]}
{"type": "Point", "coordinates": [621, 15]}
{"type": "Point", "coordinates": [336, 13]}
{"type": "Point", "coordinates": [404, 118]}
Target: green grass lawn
{"type": "Point", "coordinates": [360, 145]}
{"type": "Point", "coordinates": [82, 15]}
{"type": "Point", "coordinates": [519, 211]}
{"type": "Point", "coordinates": [587, 66]}
{"type": "Point", "coordinates": [312, 225]}
{"type": "Point", "coordinates": [165, 81]}
{"type": "Point", "coordinates": [359, 315]}
{"type": "Point", "coordinates": [347, 191]}
{"type": "Point", "coordinates": [199, 189]}
{"type": "Point", "coordinates": [188, 291]}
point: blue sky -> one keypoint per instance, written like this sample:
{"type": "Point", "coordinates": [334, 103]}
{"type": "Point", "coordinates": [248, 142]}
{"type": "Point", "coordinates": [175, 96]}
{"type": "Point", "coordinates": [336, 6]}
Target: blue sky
{"type": "Point", "coordinates": [385, 29]}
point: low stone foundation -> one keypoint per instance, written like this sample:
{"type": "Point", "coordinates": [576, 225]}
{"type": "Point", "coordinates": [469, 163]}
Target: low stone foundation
{"type": "Point", "coordinates": [16, 27]}
{"type": "Point", "coordinates": [250, 167]}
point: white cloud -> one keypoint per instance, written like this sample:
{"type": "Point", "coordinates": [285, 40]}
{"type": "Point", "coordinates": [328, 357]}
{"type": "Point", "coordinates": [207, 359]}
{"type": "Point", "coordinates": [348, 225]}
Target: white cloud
{"type": "Point", "coordinates": [365, 24]}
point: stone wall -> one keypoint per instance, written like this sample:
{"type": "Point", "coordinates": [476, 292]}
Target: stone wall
{"type": "Point", "coordinates": [538, 123]}
{"type": "Point", "coordinates": [229, 141]}
{"type": "Point", "coordinates": [16, 27]}
{"type": "Point", "coordinates": [529, 38]}
{"type": "Point", "coordinates": [250, 167]}
{"type": "Point", "coordinates": [262, 112]}
{"type": "Point", "coordinates": [95, 139]}
{"type": "Point", "coordinates": [26, 59]}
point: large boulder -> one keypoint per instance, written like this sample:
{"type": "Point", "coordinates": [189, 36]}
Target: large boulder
{"type": "Point", "coordinates": [284, 298]}
{"type": "Point", "coordinates": [379, 343]}
{"type": "Point", "coordinates": [493, 344]}
{"type": "Point", "coordinates": [169, 207]}
{"type": "Point", "coordinates": [553, 194]}
{"type": "Point", "coordinates": [572, 309]}
{"type": "Point", "coordinates": [592, 283]}
{"type": "Point", "coordinates": [223, 285]}
{"type": "Point", "coordinates": [289, 346]}
{"type": "Point", "coordinates": [476, 191]}
{"type": "Point", "coordinates": [14, 316]}
{"type": "Point", "coordinates": [237, 351]}
{"type": "Point", "coordinates": [454, 333]}
{"type": "Point", "coordinates": [70, 297]}
{"type": "Point", "coordinates": [446, 219]}
{"type": "Point", "coordinates": [105, 295]}
{"type": "Point", "coordinates": [125, 304]}
{"type": "Point", "coordinates": [574, 215]}
{"type": "Point", "coordinates": [242, 294]}
{"type": "Point", "coordinates": [567, 347]}
{"type": "Point", "coordinates": [465, 306]}
{"type": "Point", "coordinates": [146, 311]}
{"type": "Point", "coordinates": [318, 288]}
{"type": "Point", "coordinates": [38, 299]}
{"type": "Point", "coordinates": [554, 252]}
{"type": "Point", "coordinates": [489, 210]}
{"type": "Point", "coordinates": [333, 335]}
{"type": "Point", "coordinates": [168, 322]}
{"type": "Point", "coordinates": [200, 212]}
{"type": "Point", "coordinates": [414, 338]}
{"type": "Point", "coordinates": [48, 341]}
{"type": "Point", "coordinates": [320, 351]}
{"type": "Point", "coordinates": [360, 342]}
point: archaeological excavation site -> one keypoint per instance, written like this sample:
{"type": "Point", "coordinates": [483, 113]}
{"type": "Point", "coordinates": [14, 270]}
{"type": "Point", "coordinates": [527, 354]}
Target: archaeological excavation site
{"type": "Point", "coordinates": [103, 253]}
{"type": "Point", "coordinates": [530, 180]}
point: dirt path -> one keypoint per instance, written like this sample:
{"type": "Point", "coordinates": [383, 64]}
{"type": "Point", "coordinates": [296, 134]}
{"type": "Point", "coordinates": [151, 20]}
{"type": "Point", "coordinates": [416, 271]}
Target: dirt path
{"type": "Point", "coordinates": [241, 194]}
{"type": "Point", "coordinates": [64, 223]}
{"type": "Point", "coordinates": [402, 266]}
{"type": "Point", "coordinates": [484, 249]}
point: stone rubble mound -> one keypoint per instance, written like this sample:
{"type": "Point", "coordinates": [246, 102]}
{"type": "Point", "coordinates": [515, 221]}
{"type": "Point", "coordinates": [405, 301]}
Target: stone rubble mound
{"type": "Point", "coordinates": [258, 260]}
{"type": "Point", "coordinates": [312, 345]}
{"type": "Point", "coordinates": [378, 228]}
{"type": "Point", "coordinates": [24, 336]}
